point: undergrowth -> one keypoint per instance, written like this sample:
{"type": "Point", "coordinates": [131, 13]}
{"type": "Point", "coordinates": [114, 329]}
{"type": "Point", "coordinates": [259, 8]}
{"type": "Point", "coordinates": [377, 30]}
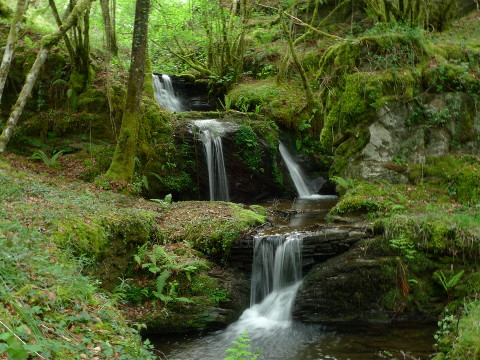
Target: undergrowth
{"type": "Point", "coordinates": [50, 310]}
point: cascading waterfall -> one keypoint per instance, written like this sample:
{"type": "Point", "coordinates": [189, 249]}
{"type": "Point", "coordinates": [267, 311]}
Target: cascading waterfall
{"type": "Point", "coordinates": [304, 189]}
{"type": "Point", "coordinates": [164, 93]}
{"type": "Point", "coordinates": [211, 132]}
{"type": "Point", "coordinates": [276, 277]}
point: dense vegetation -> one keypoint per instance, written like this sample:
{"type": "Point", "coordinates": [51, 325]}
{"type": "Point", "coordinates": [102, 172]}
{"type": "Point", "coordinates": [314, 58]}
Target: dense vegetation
{"type": "Point", "coordinates": [324, 71]}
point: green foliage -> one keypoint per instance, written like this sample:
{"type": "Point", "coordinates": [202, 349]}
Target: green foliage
{"type": "Point", "coordinates": [242, 349]}
{"type": "Point", "coordinates": [458, 338]}
{"type": "Point", "coordinates": [404, 245]}
{"type": "Point", "coordinates": [172, 272]}
{"type": "Point", "coordinates": [450, 283]}
{"type": "Point", "coordinates": [49, 161]}
{"type": "Point", "coordinates": [42, 289]}
{"type": "Point", "coordinates": [12, 345]}
{"type": "Point", "coordinates": [250, 151]}
{"type": "Point", "coordinates": [343, 184]}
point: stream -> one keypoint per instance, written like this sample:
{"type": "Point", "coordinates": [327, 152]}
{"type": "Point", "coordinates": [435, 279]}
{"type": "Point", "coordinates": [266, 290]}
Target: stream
{"type": "Point", "coordinates": [271, 330]}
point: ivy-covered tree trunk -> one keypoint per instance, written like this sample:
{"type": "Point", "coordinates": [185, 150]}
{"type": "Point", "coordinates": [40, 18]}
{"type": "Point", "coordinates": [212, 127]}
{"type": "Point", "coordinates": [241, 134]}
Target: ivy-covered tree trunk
{"type": "Point", "coordinates": [11, 40]}
{"type": "Point", "coordinates": [48, 42]}
{"type": "Point", "coordinates": [123, 163]}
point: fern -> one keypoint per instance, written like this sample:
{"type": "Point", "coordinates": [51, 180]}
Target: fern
{"type": "Point", "coordinates": [160, 286]}
{"type": "Point", "coordinates": [40, 155]}
{"type": "Point", "coordinates": [346, 184]}
{"type": "Point", "coordinates": [449, 284]}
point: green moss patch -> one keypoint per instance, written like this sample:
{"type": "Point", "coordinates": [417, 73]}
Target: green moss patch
{"type": "Point", "coordinates": [281, 102]}
{"type": "Point", "coordinates": [210, 227]}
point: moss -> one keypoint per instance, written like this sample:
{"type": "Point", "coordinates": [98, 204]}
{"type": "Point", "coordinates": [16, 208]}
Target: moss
{"type": "Point", "coordinates": [260, 210]}
{"type": "Point", "coordinates": [93, 100]}
{"type": "Point", "coordinates": [347, 149]}
{"type": "Point", "coordinates": [459, 174]}
{"type": "Point", "coordinates": [280, 102]}
{"type": "Point", "coordinates": [80, 236]}
{"type": "Point", "coordinates": [250, 151]}
{"type": "Point", "coordinates": [205, 229]}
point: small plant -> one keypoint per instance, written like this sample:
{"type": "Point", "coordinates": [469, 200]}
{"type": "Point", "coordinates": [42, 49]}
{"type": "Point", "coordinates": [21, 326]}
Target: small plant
{"type": "Point", "coordinates": [168, 269]}
{"type": "Point", "coordinates": [448, 283]}
{"type": "Point", "coordinates": [242, 349]}
{"type": "Point", "coordinates": [49, 161]}
{"type": "Point", "coordinates": [405, 245]}
{"type": "Point", "coordinates": [344, 184]}
{"type": "Point", "coordinates": [227, 105]}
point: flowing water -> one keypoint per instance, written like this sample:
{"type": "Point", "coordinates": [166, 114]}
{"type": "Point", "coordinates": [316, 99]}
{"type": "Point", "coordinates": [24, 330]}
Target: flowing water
{"type": "Point", "coordinates": [165, 95]}
{"type": "Point", "coordinates": [276, 277]}
{"type": "Point", "coordinates": [306, 189]}
{"type": "Point", "coordinates": [210, 134]}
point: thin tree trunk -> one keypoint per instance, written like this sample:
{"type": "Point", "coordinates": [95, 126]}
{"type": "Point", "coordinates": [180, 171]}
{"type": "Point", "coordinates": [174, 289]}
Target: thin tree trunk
{"type": "Point", "coordinates": [48, 42]}
{"type": "Point", "coordinates": [109, 28]}
{"type": "Point", "coordinates": [301, 70]}
{"type": "Point", "coordinates": [123, 163]}
{"type": "Point", "coordinates": [11, 40]}
{"type": "Point", "coordinates": [68, 44]}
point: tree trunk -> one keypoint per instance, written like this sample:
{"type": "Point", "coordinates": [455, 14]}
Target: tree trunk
{"type": "Point", "coordinates": [11, 40]}
{"type": "Point", "coordinates": [109, 27]}
{"type": "Point", "coordinates": [301, 70]}
{"type": "Point", "coordinates": [123, 163]}
{"type": "Point", "coordinates": [68, 44]}
{"type": "Point", "coordinates": [47, 42]}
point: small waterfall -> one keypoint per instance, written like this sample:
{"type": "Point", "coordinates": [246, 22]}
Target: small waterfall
{"type": "Point", "coordinates": [164, 93]}
{"type": "Point", "coordinates": [276, 277]}
{"type": "Point", "coordinates": [304, 190]}
{"type": "Point", "coordinates": [211, 132]}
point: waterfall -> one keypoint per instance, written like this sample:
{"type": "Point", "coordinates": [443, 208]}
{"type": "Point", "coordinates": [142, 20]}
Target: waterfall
{"type": "Point", "coordinates": [304, 190]}
{"type": "Point", "coordinates": [211, 132]}
{"type": "Point", "coordinates": [164, 93]}
{"type": "Point", "coordinates": [276, 277]}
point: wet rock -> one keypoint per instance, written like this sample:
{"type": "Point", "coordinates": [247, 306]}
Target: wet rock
{"type": "Point", "coordinates": [346, 287]}
{"type": "Point", "coordinates": [317, 246]}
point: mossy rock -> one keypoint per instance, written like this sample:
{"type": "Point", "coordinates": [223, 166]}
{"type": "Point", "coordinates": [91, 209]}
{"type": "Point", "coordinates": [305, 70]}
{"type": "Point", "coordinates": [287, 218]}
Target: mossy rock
{"type": "Point", "coordinates": [108, 239]}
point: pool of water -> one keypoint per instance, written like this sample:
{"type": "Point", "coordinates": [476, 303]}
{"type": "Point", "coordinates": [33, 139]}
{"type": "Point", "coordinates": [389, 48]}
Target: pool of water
{"type": "Point", "coordinates": [300, 214]}
{"type": "Point", "coordinates": [308, 342]}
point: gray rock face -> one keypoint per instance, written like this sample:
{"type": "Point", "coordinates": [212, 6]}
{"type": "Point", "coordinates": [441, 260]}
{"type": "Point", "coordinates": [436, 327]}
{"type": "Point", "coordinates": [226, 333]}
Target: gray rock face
{"type": "Point", "coordinates": [446, 122]}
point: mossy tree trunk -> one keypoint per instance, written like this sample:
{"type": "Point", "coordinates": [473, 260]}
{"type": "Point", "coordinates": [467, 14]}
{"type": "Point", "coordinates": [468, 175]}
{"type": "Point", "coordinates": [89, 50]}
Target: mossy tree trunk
{"type": "Point", "coordinates": [123, 163]}
{"type": "Point", "coordinates": [48, 42]}
{"type": "Point", "coordinates": [11, 40]}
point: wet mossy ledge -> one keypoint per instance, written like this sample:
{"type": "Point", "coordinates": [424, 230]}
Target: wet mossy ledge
{"type": "Point", "coordinates": [91, 251]}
